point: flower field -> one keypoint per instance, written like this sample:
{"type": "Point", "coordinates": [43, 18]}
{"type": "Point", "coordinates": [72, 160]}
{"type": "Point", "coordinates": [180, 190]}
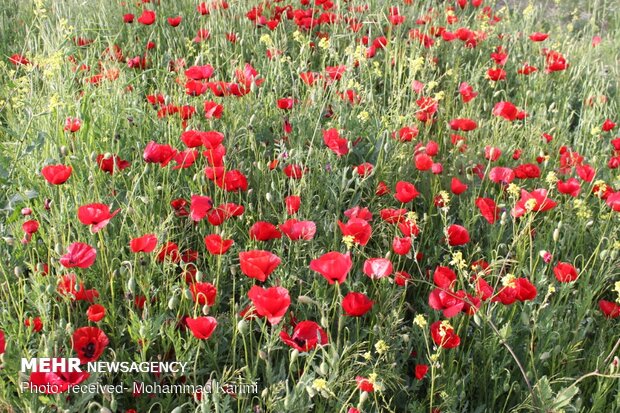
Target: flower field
{"type": "Point", "coordinates": [310, 206]}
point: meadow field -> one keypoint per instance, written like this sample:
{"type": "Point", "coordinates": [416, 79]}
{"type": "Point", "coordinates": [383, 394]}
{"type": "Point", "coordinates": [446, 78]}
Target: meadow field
{"type": "Point", "coordinates": [312, 205]}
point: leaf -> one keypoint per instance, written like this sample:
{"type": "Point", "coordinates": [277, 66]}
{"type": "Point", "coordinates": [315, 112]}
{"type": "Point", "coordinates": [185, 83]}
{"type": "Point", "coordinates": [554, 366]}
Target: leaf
{"type": "Point", "coordinates": [564, 396]}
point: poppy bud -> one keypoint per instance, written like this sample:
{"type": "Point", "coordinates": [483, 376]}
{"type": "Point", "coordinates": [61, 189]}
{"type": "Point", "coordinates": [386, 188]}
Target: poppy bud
{"type": "Point", "coordinates": [363, 398]}
{"type": "Point", "coordinates": [242, 326]}
{"type": "Point", "coordinates": [264, 393]}
{"type": "Point", "coordinates": [113, 405]}
{"type": "Point", "coordinates": [556, 234]}
{"type": "Point", "coordinates": [324, 322]}
{"type": "Point", "coordinates": [58, 249]}
{"type": "Point", "coordinates": [104, 410]}
{"type": "Point", "coordinates": [294, 355]}
{"type": "Point", "coordinates": [143, 330]}
{"type": "Point", "coordinates": [269, 197]}
{"type": "Point", "coordinates": [262, 355]}
{"type": "Point", "coordinates": [199, 276]}
{"type": "Point", "coordinates": [131, 285]}
{"type": "Point", "coordinates": [304, 299]}
{"type": "Point", "coordinates": [324, 368]}
{"type": "Point", "coordinates": [63, 151]}
{"type": "Point", "coordinates": [187, 294]}
{"type": "Point", "coordinates": [18, 271]}
{"type": "Point", "coordinates": [93, 156]}
{"type": "Point", "coordinates": [614, 254]}
{"type": "Point", "coordinates": [173, 302]}
{"type": "Point", "coordinates": [178, 409]}
{"type": "Point", "coordinates": [205, 309]}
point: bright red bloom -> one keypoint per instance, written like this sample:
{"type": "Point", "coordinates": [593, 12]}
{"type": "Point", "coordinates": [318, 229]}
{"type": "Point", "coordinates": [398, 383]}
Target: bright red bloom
{"type": "Point", "coordinates": [169, 251]}
{"type": "Point", "coordinates": [203, 293]}
{"type": "Point", "coordinates": [520, 289]}
{"type": "Point", "coordinates": [258, 264]}
{"type": "Point", "coordinates": [36, 323]}
{"type": "Point", "coordinates": [96, 215]}
{"type": "Point", "coordinates": [457, 187]}
{"type": "Point", "coordinates": [500, 174]}
{"type": "Point", "coordinates": [613, 201]}
{"type": "Point", "coordinates": [364, 384]}
{"type": "Point", "coordinates": [199, 207]}
{"type": "Point", "coordinates": [68, 286]}
{"type": "Point", "coordinates": [158, 153]}
{"type": "Point", "coordinates": [358, 228]}
{"type": "Point", "coordinates": [292, 203]}
{"type": "Point", "coordinates": [89, 343]}
{"type": "Point", "coordinates": [145, 243]}
{"type": "Point", "coordinates": [56, 174]}
{"type": "Point", "coordinates": [538, 37]}
{"type": "Point", "coordinates": [356, 304]}
{"type": "Point", "coordinates": [147, 18]}
{"type": "Point", "coordinates": [201, 327]}
{"type": "Point", "coordinates": [488, 209]}
{"type": "Point", "coordinates": [111, 164]}
{"type": "Point", "coordinates": [570, 187]}
{"type": "Point", "coordinates": [200, 72]}
{"type": "Point", "coordinates": [306, 336]}
{"type": "Point", "coordinates": [216, 245]}
{"type": "Point", "coordinates": [377, 268]}
{"type": "Point", "coordinates": [507, 110]}
{"type": "Point", "coordinates": [405, 192]}
{"type": "Point", "coordinates": [536, 201]}
{"type": "Point", "coordinates": [401, 246]}
{"type": "Point", "coordinates": [463, 124]}
{"type": "Point", "coordinates": [79, 255]}
{"type": "Point", "coordinates": [467, 92]}
{"type": "Point", "coordinates": [333, 266]}
{"type": "Point", "coordinates": [446, 301]}
{"type": "Point", "coordinates": [213, 110]}
{"type": "Point", "coordinates": [298, 230]}
{"type": "Point", "coordinates": [95, 312]}
{"type": "Point", "coordinates": [2, 342]}
{"type": "Point", "coordinates": [338, 145]}
{"type": "Point", "coordinates": [565, 272]}
{"type": "Point", "coordinates": [264, 231]}
{"type": "Point", "coordinates": [609, 309]}
{"type": "Point", "coordinates": [443, 277]}
{"type": "Point", "coordinates": [174, 21]}
{"type": "Point", "coordinates": [73, 125]}
{"type": "Point", "coordinates": [271, 303]}
{"type": "Point", "coordinates": [457, 235]}
{"type": "Point", "coordinates": [420, 371]}
{"type": "Point", "coordinates": [443, 335]}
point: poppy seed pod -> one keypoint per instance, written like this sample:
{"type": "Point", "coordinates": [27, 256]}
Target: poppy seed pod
{"type": "Point", "coordinates": [242, 327]}
{"type": "Point", "coordinates": [173, 302]}
{"type": "Point", "coordinates": [131, 285]}
{"type": "Point", "coordinates": [93, 156]}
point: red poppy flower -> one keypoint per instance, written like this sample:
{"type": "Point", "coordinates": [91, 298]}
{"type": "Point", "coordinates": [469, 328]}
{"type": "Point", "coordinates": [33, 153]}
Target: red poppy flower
{"type": "Point", "coordinates": [457, 187]}
{"type": "Point", "coordinates": [467, 92]}
{"type": "Point", "coordinates": [333, 266]}
{"type": "Point", "coordinates": [420, 371]}
{"type": "Point", "coordinates": [79, 255]}
{"type": "Point", "coordinates": [449, 302]}
{"type": "Point", "coordinates": [174, 21]}
{"type": "Point", "coordinates": [364, 384]}
{"type": "Point", "coordinates": [338, 145]}
{"type": "Point", "coordinates": [271, 303]}
{"type": "Point", "coordinates": [73, 125]}
{"type": "Point", "coordinates": [423, 162]}
{"type": "Point", "coordinates": [405, 192]}
{"type": "Point", "coordinates": [297, 230]}
{"type": "Point", "coordinates": [169, 251]}
{"type": "Point", "coordinates": [609, 309]}
{"type": "Point", "coordinates": [201, 327]}
{"type": "Point", "coordinates": [613, 201]}
{"type": "Point", "coordinates": [538, 37]}
{"type": "Point", "coordinates": [216, 245]}
{"type": "Point", "coordinates": [95, 312]}
{"type": "Point", "coordinates": [96, 215]}
{"type": "Point", "coordinates": [147, 18]}
{"type": "Point", "coordinates": [145, 243]}
{"type": "Point", "coordinates": [443, 335]}
{"type": "Point", "coordinates": [199, 207]}
{"type": "Point", "coordinates": [264, 231]}
{"type": "Point", "coordinates": [68, 286]}
{"type": "Point", "coordinates": [463, 124]}
{"type": "Point", "coordinates": [536, 201]}
{"type": "Point", "coordinates": [500, 174]}
{"type": "Point", "coordinates": [377, 268]}
{"type": "Point", "coordinates": [457, 235]}
{"type": "Point", "coordinates": [292, 203]}
{"type": "Point", "coordinates": [35, 323]}
{"type": "Point", "coordinates": [520, 289]}
{"type": "Point", "coordinates": [570, 187]}
{"type": "Point", "coordinates": [158, 153]}
{"type": "Point", "coordinates": [488, 209]}
{"type": "Point", "coordinates": [496, 74]}
{"type": "Point", "coordinates": [89, 343]}
{"type": "Point", "coordinates": [506, 110]}
{"type": "Point", "coordinates": [56, 382]}
{"type": "Point", "coordinates": [306, 336]}
{"type": "Point", "coordinates": [356, 304]}
{"type": "Point", "coordinates": [2, 342]}
{"type": "Point", "coordinates": [358, 228]}
{"type": "Point", "coordinates": [258, 264]}
{"type": "Point", "coordinates": [213, 110]}
{"type": "Point", "coordinates": [565, 272]}
{"type": "Point", "coordinates": [111, 163]}
{"type": "Point", "coordinates": [56, 174]}
{"type": "Point", "coordinates": [443, 277]}
{"type": "Point", "coordinates": [203, 293]}
{"type": "Point", "coordinates": [401, 246]}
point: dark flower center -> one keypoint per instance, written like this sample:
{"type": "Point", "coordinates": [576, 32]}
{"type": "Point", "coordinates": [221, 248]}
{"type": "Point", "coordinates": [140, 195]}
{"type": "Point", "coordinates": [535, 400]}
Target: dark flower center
{"type": "Point", "coordinates": [89, 350]}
